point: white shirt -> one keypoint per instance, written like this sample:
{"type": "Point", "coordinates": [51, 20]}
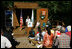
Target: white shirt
{"type": "Point", "coordinates": [27, 20]}
{"type": "Point", "coordinates": [30, 24]}
{"type": "Point", "coordinates": [5, 42]}
{"type": "Point", "coordinates": [43, 33]}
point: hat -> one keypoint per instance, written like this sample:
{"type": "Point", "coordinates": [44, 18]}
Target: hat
{"type": "Point", "coordinates": [69, 28]}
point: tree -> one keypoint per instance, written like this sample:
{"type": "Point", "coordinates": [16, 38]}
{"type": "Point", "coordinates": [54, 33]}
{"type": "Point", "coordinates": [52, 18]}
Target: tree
{"type": "Point", "coordinates": [57, 10]}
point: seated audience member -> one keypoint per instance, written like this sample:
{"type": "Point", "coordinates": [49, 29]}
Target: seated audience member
{"type": "Point", "coordinates": [66, 30]}
{"type": "Point", "coordinates": [64, 40]}
{"type": "Point", "coordinates": [5, 43]}
{"type": "Point", "coordinates": [44, 24]}
{"type": "Point", "coordinates": [69, 32]}
{"type": "Point", "coordinates": [8, 34]}
{"type": "Point", "coordinates": [56, 31]}
{"type": "Point", "coordinates": [38, 35]}
{"type": "Point", "coordinates": [32, 33]}
{"type": "Point", "coordinates": [58, 27]}
{"type": "Point", "coordinates": [48, 39]}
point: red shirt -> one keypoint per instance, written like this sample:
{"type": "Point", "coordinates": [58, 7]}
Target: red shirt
{"type": "Point", "coordinates": [48, 40]}
{"type": "Point", "coordinates": [69, 33]}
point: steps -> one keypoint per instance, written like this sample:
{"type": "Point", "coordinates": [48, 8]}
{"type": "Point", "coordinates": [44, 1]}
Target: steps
{"type": "Point", "coordinates": [18, 33]}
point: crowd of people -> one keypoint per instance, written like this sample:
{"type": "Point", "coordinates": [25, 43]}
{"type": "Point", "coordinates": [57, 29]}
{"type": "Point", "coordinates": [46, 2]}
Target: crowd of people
{"type": "Point", "coordinates": [58, 37]}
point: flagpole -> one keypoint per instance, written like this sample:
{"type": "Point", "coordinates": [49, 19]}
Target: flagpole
{"type": "Point", "coordinates": [32, 18]}
{"type": "Point", "coordinates": [21, 20]}
{"type": "Point", "coordinates": [21, 11]}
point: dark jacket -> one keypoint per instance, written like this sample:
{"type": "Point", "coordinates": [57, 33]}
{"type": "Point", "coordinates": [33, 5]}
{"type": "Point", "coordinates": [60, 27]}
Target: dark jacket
{"type": "Point", "coordinates": [32, 33]}
{"type": "Point", "coordinates": [10, 38]}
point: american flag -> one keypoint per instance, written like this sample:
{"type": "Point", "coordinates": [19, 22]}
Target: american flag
{"type": "Point", "coordinates": [21, 20]}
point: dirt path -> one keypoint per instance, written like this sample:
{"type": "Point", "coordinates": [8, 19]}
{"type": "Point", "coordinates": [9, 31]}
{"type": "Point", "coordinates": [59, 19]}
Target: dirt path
{"type": "Point", "coordinates": [21, 37]}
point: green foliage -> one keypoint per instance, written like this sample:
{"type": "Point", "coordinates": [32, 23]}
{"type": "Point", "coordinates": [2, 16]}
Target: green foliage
{"type": "Point", "coordinates": [57, 10]}
{"type": "Point", "coordinates": [6, 4]}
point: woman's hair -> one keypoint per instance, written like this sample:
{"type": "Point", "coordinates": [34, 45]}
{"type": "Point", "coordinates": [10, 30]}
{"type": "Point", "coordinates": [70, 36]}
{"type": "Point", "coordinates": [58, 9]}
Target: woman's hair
{"type": "Point", "coordinates": [62, 30]}
{"type": "Point", "coordinates": [4, 29]}
{"type": "Point", "coordinates": [12, 28]}
{"type": "Point", "coordinates": [39, 29]}
{"type": "Point", "coordinates": [1, 30]}
{"type": "Point", "coordinates": [48, 30]}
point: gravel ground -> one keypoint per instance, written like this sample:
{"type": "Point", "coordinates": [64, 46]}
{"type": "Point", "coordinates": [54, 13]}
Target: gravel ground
{"type": "Point", "coordinates": [24, 43]}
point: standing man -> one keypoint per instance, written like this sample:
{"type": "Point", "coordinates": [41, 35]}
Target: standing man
{"type": "Point", "coordinates": [28, 25]}
{"type": "Point", "coordinates": [4, 41]}
{"type": "Point", "coordinates": [27, 21]}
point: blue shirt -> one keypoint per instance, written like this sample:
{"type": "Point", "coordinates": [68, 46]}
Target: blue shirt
{"type": "Point", "coordinates": [66, 30]}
